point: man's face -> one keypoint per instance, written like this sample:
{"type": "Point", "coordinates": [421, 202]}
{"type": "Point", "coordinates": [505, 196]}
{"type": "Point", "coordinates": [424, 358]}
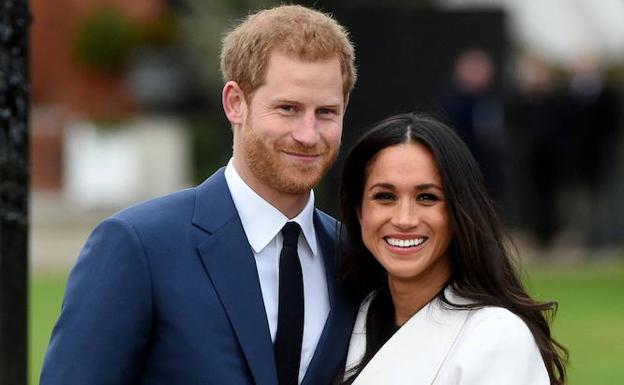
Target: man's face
{"type": "Point", "coordinates": [291, 128]}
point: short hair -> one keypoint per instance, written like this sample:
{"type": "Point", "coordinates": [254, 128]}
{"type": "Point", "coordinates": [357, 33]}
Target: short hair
{"type": "Point", "coordinates": [308, 34]}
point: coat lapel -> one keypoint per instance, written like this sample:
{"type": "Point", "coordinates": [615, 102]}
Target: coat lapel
{"type": "Point", "coordinates": [332, 346]}
{"type": "Point", "coordinates": [417, 350]}
{"type": "Point", "coordinates": [231, 267]}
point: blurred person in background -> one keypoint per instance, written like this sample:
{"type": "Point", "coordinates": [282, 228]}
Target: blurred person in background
{"type": "Point", "coordinates": [192, 288]}
{"type": "Point", "coordinates": [445, 303]}
{"type": "Point", "coordinates": [592, 116]}
{"type": "Point", "coordinates": [538, 143]}
{"type": "Point", "coordinates": [475, 111]}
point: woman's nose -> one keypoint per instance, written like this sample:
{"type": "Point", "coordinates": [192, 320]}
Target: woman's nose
{"type": "Point", "coordinates": [406, 215]}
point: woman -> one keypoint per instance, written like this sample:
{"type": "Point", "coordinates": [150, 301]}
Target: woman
{"type": "Point", "coordinates": [444, 303]}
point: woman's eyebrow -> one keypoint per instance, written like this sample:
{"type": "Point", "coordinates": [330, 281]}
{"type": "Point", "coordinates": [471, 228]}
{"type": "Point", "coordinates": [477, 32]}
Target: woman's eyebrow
{"type": "Point", "coordinates": [385, 185]}
{"type": "Point", "coordinates": [427, 186]}
{"type": "Point", "coordinates": [419, 187]}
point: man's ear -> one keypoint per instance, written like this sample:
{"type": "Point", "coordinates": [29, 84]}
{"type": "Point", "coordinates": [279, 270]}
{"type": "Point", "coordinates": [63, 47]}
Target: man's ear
{"type": "Point", "coordinates": [234, 104]}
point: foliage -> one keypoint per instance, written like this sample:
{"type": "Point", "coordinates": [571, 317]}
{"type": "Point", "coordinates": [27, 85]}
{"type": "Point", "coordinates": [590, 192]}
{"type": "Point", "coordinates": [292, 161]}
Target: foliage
{"type": "Point", "coordinates": [107, 37]}
{"type": "Point", "coordinates": [162, 32]}
{"type": "Point", "coordinates": [104, 40]}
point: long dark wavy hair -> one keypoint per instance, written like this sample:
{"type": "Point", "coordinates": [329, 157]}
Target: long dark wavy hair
{"type": "Point", "coordinates": [482, 268]}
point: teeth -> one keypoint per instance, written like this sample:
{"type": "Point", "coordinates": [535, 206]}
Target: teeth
{"type": "Point", "coordinates": [405, 242]}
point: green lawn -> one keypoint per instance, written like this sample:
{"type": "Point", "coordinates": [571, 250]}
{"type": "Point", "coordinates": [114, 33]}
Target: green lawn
{"type": "Point", "coordinates": [590, 321]}
{"type": "Point", "coordinates": [46, 295]}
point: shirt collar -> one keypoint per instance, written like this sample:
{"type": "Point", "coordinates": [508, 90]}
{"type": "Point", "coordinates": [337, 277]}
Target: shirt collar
{"type": "Point", "coordinates": [262, 221]}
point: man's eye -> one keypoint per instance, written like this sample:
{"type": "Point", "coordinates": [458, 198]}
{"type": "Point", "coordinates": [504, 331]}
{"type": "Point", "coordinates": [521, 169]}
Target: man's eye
{"type": "Point", "coordinates": [287, 108]}
{"type": "Point", "coordinates": [327, 111]}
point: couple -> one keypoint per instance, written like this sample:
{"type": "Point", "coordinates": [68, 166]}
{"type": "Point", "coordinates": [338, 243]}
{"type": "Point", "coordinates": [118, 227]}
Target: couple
{"type": "Point", "coordinates": [233, 282]}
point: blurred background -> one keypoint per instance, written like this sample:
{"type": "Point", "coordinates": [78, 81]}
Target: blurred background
{"type": "Point", "coordinates": [126, 106]}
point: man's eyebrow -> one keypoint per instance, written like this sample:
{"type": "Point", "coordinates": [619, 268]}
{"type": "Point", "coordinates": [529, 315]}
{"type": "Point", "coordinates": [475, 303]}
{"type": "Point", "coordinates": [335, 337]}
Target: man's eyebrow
{"type": "Point", "coordinates": [284, 101]}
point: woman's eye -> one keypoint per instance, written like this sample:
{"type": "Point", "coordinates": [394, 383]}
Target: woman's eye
{"type": "Point", "coordinates": [383, 196]}
{"type": "Point", "coordinates": [287, 108]}
{"type": "Point", "coordinates": [427, 197]}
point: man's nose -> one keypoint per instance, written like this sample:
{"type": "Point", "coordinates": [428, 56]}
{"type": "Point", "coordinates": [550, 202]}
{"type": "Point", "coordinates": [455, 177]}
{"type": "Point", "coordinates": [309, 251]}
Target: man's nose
{"type": "Point", "coordinates": [306, 131]}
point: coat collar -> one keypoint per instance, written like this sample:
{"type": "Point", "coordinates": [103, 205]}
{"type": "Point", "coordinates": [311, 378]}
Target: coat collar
{"type": "Point", "coordinates": [213, 203]}
{"type": "Point", "coordinates": [416, 351]}
{"type": "Point", "coordinates": [230, 265]}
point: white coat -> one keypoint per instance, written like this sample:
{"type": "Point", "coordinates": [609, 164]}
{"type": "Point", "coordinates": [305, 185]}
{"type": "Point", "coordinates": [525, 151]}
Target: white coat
{"type": "Point", "coordinates": [442, 346]}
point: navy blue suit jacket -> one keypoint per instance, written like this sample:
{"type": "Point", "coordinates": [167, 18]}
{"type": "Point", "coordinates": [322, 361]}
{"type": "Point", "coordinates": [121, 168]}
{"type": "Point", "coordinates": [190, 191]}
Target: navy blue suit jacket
{"type": "Point", "coordinates": [167, 292]}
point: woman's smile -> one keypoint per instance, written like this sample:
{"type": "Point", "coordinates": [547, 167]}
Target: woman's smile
{"type": "Point", "coordinates": [404, 220]}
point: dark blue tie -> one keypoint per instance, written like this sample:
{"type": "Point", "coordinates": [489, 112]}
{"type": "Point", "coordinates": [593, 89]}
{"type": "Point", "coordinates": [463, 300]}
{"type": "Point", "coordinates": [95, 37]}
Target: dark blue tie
{"type": "Point", "coordinates": [289, 334]}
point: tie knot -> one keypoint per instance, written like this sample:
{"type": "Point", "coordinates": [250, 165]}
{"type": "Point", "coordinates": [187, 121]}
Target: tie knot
{"type": "Point", "coordinates": [290, 232]}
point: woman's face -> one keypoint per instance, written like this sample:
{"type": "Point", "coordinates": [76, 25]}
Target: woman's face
{"type": "Point", "coordinates": [403, 217]}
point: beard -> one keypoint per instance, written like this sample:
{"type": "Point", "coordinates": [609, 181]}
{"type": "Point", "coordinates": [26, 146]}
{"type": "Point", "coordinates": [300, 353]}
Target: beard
{"type": "Point", "coordinates": [269, 164]}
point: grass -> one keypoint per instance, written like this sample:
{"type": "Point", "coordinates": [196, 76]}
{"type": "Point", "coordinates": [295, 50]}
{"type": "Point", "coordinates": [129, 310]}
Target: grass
{"type": "Point", "coordinates": [590, 321]}
{"type": "Point", "coordinates": [46, 295]}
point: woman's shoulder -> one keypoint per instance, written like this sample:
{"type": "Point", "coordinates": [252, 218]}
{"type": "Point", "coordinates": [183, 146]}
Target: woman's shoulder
{"type": "Point", "coordinates": [495, 343]}
{"type": "Point", "coordinates": [495, 313]}
{"type": "Point", "coordinates": [488, 317]}
{"type": "Point", "coordinates": [492, 318]}
{"type": "Point", "coordinates": [497, 332]}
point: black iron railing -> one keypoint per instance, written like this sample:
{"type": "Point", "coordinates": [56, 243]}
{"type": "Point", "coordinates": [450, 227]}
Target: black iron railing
{"type": "Point", "coordinates": [14, 103]}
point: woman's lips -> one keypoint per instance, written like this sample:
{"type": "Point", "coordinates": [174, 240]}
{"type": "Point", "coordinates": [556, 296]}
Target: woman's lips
{"type": "Point", "coordinates": [404, 244]}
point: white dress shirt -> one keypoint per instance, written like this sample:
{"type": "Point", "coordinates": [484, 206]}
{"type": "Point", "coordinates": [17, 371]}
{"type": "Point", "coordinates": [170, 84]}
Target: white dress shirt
{"type": "Point", "coordinates": [263, 224]}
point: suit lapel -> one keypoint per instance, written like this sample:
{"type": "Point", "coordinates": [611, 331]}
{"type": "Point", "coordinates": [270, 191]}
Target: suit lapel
{"type": "Point", "coordinates": [231, 267]}
{"type": "Point", "coordinates": [417, 350]}
{"type": "Point", "coordinates": [332, 345]}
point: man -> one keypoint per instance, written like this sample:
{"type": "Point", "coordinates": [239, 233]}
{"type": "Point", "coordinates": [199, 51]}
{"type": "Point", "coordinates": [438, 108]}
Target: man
{"type": "Point", "coordinates": [188, 288]}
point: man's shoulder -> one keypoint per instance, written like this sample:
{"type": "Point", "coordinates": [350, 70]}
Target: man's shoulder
{"type": "Point", "coordinates": [166, 207]}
